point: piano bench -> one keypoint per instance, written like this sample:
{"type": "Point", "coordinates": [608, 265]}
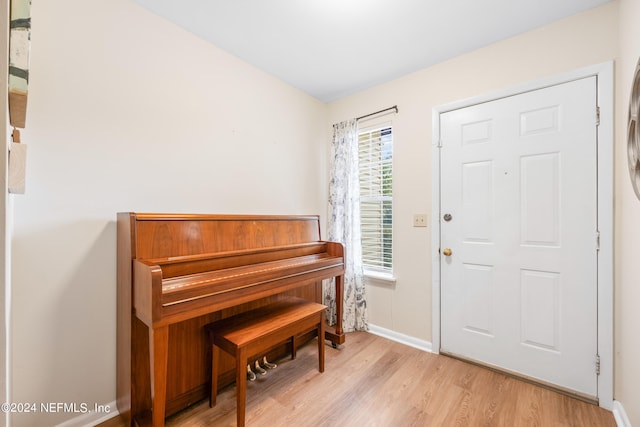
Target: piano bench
{"type": "Point", "coordinates": [255, 332]}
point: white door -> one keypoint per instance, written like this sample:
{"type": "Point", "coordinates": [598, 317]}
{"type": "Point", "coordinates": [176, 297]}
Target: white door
{"type": "Point", "coordinates": [519, 215]}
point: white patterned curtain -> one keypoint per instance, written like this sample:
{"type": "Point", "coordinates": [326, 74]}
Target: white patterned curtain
{"type": "Point", "coordinates": [344, 225]}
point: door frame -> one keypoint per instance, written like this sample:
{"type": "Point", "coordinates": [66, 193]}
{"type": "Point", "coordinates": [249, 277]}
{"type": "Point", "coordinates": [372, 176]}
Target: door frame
{"type": "Point", "coordinates": [605, 175]}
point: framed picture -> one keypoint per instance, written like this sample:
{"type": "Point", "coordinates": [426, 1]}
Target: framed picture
{"type": "Point", "coordinates": [19, 45]}
{"type": "Point", "coordinates": [633, 132]}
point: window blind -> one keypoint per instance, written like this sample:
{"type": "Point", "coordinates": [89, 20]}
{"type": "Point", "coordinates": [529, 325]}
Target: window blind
{"type": "Point", "coordinates": [375, 148]}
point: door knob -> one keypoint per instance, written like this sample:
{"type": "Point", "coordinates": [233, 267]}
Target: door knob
{"type": "Point", "coordinates": [447, 252]}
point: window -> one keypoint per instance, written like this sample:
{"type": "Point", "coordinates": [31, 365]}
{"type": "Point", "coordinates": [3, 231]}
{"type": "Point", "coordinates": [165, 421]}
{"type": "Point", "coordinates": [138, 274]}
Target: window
{"type": "Point", "coordinates": [375, 148]}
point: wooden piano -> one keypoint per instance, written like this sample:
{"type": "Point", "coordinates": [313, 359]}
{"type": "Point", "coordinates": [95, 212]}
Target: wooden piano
{"type": "Point", "coordinates": [179, 272]}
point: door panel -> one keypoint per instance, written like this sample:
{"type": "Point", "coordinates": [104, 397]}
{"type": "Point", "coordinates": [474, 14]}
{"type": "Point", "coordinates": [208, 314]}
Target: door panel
{"type": "Point", "coordinates": [518, 178]}
{"type": "Point", "coordinates": [477, 197]}
{"type": "Point", "coordinates": [540, 186]}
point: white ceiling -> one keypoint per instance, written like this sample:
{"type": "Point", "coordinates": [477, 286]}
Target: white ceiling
{"type": "Point", "coordinates": [333, 48]}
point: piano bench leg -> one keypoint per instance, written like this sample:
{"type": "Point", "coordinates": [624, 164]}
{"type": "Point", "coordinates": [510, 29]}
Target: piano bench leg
{"type": "Point", "coordinates": [241, 386]}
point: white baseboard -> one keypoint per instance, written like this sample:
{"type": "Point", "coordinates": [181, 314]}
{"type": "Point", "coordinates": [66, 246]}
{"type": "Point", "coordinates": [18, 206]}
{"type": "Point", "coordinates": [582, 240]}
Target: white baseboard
{"type": "Point", "coordinates": [401, 338]}
{"type": "Point", "coordinates": [93, 418]}
{"type": "Point", "coordinates": [620, 415]}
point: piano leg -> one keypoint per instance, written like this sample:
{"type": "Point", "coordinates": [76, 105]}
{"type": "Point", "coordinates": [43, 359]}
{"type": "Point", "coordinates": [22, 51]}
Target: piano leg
{"type": "Point", "coordinates": [339, 303]}
{"type": "Point", "coordinates": [215, 354]}
{"type": "Point", "coordinates": [159, 346]}
{"type": "Point", "coordinates": [321, 343]}
{"type": "Point", "coordinates": [336, 334]}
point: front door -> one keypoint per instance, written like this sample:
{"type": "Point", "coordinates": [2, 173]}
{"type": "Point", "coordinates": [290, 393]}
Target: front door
{"type": "Point", "coordinates": [519, 234]}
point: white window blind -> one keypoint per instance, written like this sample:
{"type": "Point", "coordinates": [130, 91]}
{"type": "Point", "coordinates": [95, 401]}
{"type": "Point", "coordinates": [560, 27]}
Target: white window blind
{"type": "Point", "coordinates": [375, 147]}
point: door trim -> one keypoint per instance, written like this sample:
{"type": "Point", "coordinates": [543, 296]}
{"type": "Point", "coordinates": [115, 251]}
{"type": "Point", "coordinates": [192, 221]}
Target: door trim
{"type": "Point", "coordinates": [605, 100]}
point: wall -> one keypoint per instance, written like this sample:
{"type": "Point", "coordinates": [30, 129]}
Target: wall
{"type": "Point", "coordinates": [627, 206]}
{"type": "Point", "coordinates": [571, 43]}
{"type": "Point", "coordinates": [128, 112]}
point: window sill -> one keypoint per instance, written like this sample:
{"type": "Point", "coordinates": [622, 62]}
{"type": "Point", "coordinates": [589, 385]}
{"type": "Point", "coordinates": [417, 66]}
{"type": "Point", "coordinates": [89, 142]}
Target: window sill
{"type": "Point", "coordinates": [377, 278]}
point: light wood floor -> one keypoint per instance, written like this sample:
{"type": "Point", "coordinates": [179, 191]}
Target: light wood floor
{"type": "Point", "coordinates": [371, 381]}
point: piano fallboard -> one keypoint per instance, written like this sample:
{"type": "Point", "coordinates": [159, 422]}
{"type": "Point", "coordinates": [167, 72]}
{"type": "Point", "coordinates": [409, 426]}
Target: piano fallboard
{"type": "Point", "coordinates": [185, 289]}
{"type": "Point", "coordinates": [182, 297]}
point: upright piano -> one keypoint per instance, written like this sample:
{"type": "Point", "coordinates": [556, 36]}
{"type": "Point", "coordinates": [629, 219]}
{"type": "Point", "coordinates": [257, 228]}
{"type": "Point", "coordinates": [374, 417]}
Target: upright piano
{"type": "Point", "coordinates": [179, 272]}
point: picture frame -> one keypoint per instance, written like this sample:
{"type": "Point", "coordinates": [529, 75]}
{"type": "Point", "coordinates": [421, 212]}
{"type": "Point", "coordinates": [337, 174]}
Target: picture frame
{"type": "Point", "coordinates": [19, 47]}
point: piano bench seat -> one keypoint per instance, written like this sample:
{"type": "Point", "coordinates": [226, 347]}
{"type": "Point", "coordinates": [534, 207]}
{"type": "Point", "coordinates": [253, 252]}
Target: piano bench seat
{"type": "Point", "coordinates": [255, 332]}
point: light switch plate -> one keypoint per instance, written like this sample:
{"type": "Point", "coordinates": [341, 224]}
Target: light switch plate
{"type": "Point", "coordinates": [17, 168]}
{"type": "Point", "coordinates": [419, 220]}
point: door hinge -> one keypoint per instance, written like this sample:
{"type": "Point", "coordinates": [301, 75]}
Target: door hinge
{"type": "Point", "coordinates": [597, 240]}
{"type": "Point", "coordinates": [597, 364]}
{"type": "Point", "coordinates": [597, 116]}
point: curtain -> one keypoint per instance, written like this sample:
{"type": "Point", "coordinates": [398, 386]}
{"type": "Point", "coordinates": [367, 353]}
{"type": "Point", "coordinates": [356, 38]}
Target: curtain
{"type": "Point", "coordinates": [344, 226]}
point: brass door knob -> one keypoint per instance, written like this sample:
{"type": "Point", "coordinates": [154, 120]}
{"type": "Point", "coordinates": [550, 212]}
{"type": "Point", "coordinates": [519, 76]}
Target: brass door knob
{"type": "Point", "coordinates": [447, 252]}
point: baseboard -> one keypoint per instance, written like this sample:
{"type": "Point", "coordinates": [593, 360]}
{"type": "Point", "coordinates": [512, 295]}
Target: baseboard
{"type": "Point", "coordinates": [94, 417]}
{"type": "Point", "coordinates": [401, 338]}
{"type": "Point", "coordinates": [620, 415]}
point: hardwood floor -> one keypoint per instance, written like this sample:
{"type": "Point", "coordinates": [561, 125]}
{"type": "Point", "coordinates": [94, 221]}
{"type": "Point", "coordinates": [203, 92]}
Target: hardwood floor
{"type": "Point", "coordinates": [371, 381]}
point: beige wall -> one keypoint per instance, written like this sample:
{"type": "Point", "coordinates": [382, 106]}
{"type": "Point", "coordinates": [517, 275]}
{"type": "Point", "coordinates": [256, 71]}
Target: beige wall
{"type": "Point", "coordinates": [627, 248]}
{"type": "Point", "coordinates": [129, 112]}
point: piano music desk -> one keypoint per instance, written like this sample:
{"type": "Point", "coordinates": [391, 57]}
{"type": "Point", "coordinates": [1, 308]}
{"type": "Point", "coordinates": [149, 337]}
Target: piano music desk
{"type": "Point", "coordinates": [253, 333]}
